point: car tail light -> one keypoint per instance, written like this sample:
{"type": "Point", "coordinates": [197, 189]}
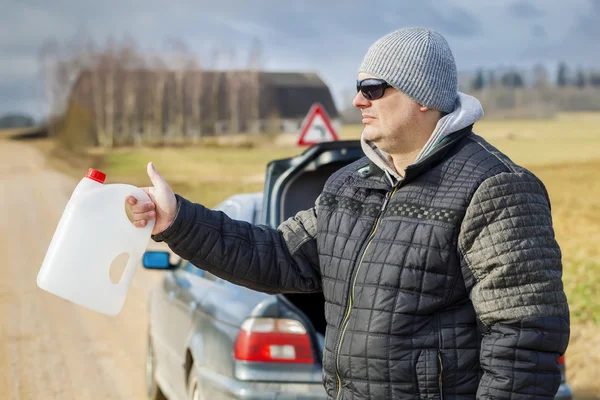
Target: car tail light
{"type": "Point", "coordinates": [273, 340]}
{"type": "Point", "coordinates": [561, 366]}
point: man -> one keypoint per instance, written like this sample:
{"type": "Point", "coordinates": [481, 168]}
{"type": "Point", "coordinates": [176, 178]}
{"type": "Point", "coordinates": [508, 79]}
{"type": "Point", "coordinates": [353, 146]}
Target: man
{"type": "Point", "coordinates": [435, 253]}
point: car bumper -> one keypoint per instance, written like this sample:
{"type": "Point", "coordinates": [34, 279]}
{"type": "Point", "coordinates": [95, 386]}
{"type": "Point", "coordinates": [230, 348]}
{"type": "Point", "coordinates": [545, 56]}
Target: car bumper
{"type": "Point", "coordinates": [221, 387]}
{"type": "Point", "coordinates": [216, 386]}
{"type": "Point", "coordinates": [564, 392]}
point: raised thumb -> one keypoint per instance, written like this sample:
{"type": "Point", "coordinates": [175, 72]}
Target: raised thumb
{"type": "Point", "coordinates": [157, 180]}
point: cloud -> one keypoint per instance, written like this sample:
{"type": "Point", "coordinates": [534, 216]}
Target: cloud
{"type": "Point", "coordinates": [329, 37]}
{"type": "Point", "coordinates": [524, 9]}
{"type": "Point", "coordinates": [579, 44]}
{"type": "Point", "coordinates": [19, 68]}
{"type": "Point", "coordinates": [538, 31]}
{"type": "Point", "coordinates": [587, 26]}
{"type": "Point", "coordinates": [458, 21]}
{"type": "Point", "coordinates": [21, 96]}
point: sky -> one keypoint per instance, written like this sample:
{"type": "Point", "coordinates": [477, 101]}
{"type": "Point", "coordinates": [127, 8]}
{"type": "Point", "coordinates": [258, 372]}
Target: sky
{"type": "Point", "coordinates": [326, 36]}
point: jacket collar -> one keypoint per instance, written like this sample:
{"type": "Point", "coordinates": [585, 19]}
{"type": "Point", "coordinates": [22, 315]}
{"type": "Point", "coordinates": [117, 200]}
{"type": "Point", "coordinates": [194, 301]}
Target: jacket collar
{"type": "Point", "coordinates": [371, 176]}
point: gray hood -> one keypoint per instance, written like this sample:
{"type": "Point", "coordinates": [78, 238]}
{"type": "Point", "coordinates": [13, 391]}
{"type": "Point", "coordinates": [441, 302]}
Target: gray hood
{"type": "Point", "coordinates": [467, 111]}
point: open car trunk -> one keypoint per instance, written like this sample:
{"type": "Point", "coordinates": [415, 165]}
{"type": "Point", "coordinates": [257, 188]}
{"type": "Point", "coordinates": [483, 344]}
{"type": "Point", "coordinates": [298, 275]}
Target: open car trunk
{"type": "Point", "coordinates": [293, 185]}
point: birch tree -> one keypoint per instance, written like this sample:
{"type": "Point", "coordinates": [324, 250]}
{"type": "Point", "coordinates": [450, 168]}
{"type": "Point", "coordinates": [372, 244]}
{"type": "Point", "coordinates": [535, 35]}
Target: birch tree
{"type": "Point", "coordinates": [233, 91]}
{"type": "Point", "coordinates": [177, 61]}
{"type": "Point", "coordinates": [254, 66]}
{"type": "Point", "coordinates": [215, 88]}
{"type": "Point", "coordinates": [110, 65]}
{"type": "Point", "coordinates": [155, 122]}
{"type": "Point", "coordinates": [129, 76]}
{"type": "Point", "coordinates": [194, 83]}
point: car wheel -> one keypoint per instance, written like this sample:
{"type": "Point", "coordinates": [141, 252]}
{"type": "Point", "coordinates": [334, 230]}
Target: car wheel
{"type": "Point", "coordinates": [152, 388]}
{"type": "Point", "coordinates": [193, 387]}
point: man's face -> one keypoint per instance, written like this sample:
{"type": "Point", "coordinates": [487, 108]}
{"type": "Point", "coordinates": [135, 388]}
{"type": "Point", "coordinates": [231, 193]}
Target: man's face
{"type": "Point", "coordinates": [388, 120]}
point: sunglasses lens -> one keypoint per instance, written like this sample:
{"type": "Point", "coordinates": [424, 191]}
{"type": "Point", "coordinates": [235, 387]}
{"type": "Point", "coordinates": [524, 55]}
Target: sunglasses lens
{"type": "Point", "coordinates": [372, 89]}
{"type": "Point", "coordinates": [374, 92]}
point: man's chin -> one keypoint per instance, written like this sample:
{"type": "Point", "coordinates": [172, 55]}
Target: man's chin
{"type": "Point", "coordinates": [371, 136]}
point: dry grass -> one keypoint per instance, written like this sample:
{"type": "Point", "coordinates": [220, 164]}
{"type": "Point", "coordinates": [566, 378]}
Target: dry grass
{"type": "Point", "coordinates": [574, 192]}
{"type": "Point", "coordinates": [206, 175]}
{"type": "Point", "coordinates": [565, 154]}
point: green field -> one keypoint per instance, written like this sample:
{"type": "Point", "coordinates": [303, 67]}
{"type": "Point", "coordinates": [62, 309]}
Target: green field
{"type": "Point", "coordinates": [564, 153]}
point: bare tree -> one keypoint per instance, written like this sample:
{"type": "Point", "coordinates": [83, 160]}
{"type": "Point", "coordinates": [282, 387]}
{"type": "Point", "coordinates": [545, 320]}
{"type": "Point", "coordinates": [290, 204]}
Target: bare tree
{"type": "Point", "coordinates": [159, 74]}
{"type": "Point", "coordinates": [580, 80]}
{"type": "Point", "coordinates": [233, 91]}
{"type": "Point", "coordinates": [254, 66]}
{"type": "Point", "coordinates": [215, 88]}
{"type": "Point", "coordinates": [177, 59]}
{"type": "Point", "coordinates": [58, 69]}
{"type": "Point", "coordinates": [129, 59]}
{"type": "Point", "coordinates": [123, 102]}
{"type": "Point", "coordinates": [109, 63]}
{"type": "Point", "coordinates": [562, 75]}
{"type": "Point", "coordinates": [97, 78]}
{"type": "Point", "coordinates": [541, 79]}
{"type": "Point", "coordinates": [194, 84]}
{"type": "Point", "coordinates": [48, 57]}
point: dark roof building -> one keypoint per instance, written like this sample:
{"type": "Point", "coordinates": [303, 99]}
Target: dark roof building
{"type": "Point", "coordinates": [293, 93]}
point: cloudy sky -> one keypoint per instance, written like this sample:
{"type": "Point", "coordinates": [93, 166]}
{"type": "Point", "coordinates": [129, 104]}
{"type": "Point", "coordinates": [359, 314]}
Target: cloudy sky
{"type": "Point", "coordinates": [327, 36]}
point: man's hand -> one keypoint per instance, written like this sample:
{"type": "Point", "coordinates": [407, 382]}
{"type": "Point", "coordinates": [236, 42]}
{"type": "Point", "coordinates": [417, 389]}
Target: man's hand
{"type": "Point", "coordinates": [162, 204]}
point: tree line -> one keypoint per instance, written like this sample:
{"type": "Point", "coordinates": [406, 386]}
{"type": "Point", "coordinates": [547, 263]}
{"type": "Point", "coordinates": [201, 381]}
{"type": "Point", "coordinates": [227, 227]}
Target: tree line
{"type": "Point", "coordinates": [121, 94]}
{"type": "Point", "coordinates": [534, 93]}
{"type": "Point", "coordinates": [538, 77]}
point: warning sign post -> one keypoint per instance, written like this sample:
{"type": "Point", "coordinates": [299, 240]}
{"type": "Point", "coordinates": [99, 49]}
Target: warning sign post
{"type": "Point", "coordinates": [316, 127]}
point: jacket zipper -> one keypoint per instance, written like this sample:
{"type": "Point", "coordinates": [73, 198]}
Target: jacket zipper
{"type": "Point", "coordinates": [440, 375]}
{"type": "Point", "coordinates": [350, 295]}
{"type": "Point", "coordinates": [439, 355]}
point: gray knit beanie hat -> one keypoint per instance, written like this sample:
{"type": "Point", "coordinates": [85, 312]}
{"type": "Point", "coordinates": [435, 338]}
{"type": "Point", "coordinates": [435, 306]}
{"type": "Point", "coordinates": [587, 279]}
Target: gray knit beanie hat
{"type": "Point", "coordinates": [419, 63]}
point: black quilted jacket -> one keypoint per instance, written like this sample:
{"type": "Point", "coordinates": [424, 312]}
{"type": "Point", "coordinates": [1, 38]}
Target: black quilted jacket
{"type": "Point", "coordinates": [447, 286]}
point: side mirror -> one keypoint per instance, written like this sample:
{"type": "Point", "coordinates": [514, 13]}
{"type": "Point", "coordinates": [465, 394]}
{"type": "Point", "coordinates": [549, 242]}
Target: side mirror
{"type": "Point", "coordinates": [157, 260]}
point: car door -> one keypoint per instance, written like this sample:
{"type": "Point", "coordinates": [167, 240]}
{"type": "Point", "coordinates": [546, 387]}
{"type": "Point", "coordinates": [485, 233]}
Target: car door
{"type": "Point", "coordinates": [189, 282]}
{"type": "Point", "coordinates": [164, 339]}
{"type": "Point", "coordinates": [180, 321]}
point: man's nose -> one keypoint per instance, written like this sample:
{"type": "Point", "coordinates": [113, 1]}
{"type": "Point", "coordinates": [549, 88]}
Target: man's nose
{"type": "Point", "coordinates": [360, 101]}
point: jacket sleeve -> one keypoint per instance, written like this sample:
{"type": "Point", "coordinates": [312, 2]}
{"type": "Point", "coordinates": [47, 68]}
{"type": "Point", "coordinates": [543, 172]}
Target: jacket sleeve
{"type": "Point", "coordinates": [512, 263]}
{"type": "Point", "coordinates": [258, 257]}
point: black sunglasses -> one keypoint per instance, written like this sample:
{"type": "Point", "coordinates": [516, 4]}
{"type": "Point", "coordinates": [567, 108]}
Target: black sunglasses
{"type": "Point", "coordinates": [372, 88]}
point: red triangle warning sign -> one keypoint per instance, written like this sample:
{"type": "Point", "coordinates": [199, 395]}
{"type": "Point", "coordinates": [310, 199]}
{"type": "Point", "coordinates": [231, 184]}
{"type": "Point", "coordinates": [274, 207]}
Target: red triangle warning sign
{"type": "Point", "coordinates": [316, 127]}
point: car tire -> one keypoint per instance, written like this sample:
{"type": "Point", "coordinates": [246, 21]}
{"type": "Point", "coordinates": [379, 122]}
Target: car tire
{"type": "Point", "coordinates": [152, 389]}
{"type": "Point", "coordinates": [194, 392]}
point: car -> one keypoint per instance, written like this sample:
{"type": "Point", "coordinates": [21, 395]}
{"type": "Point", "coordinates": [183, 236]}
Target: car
{"type": "Point", "coordinates": [211, 339]}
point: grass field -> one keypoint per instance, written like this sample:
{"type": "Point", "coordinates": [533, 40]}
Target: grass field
{"type": "Point", "coordinates": [564, 153]}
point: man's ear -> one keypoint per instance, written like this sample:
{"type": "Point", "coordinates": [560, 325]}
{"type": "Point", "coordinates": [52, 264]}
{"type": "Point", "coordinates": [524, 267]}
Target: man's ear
{"type": "Point", "coordinates": [423, 108]}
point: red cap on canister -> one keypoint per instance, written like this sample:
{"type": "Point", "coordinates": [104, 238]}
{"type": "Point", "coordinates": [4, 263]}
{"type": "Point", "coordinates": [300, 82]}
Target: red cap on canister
{"type": "Point", "coordinates": [96, 175]}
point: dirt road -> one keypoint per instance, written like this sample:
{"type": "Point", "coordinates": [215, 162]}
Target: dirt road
{"type": "Point", "coordinates": [51, 348]}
